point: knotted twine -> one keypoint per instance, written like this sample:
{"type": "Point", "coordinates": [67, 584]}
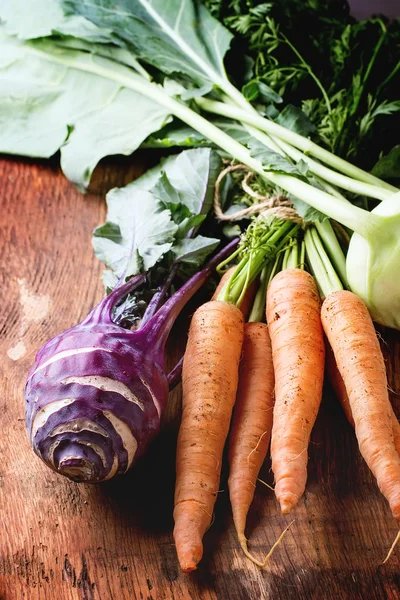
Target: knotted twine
{"type": "Point", "coordinates": [277, 205]}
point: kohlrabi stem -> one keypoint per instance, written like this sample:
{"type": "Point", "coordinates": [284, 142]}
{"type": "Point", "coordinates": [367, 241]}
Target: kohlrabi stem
{"type": "Point", "coordinates": [294, 139]}
{"type": "Point", "coordinates": [159, 326]}
{"type": "Point", "coordinates": [159, 295]}
{"type": "Point", "coordinates": [174, 376]}
{"type": "Point", "coordinates": [333, 248]}
{"type": "Point", "coordinates": [257, 313]}
{"type": "Point", "coordinates": [321, 267]}
{"type": "Point", "coordinates": [331, 189]}
{"type": "Point", "coordinates": [103, 311]}
{"type": "Point", "coordinates": [353, 186]}
{"type": "Point", "coordinates": [357, 219]}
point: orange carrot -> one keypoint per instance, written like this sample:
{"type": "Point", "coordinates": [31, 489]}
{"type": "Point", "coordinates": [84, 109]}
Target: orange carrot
{"type": "Point", "coordinates": [298, 352]}
{"type": "Point", "coordinates": [251, 424]}
{"type": "Point", "coordinates": [350, 332]}
{"type": "Point", "coordinates": [248, 298]}
{"type": "Point", "coordinates": [337, 383]}
{"type": "Point", "coordinates": [209, 380]}
{"type": "Point", "coordinates": [339, 388]}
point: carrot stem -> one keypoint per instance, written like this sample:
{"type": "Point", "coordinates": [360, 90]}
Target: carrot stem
{"type": "Point", "coordinates": [333, 248]}
{"type": "Point", "coordinates": [258, 309]}
{"type": "Point", "coordinates": [321, 267]}
{"type": "Point", "coordinates": [256, 253]}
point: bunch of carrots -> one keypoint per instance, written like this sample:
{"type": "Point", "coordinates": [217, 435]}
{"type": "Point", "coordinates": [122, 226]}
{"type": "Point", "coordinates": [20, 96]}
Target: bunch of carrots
{"type": "Point", "coordinates": [261, 383]}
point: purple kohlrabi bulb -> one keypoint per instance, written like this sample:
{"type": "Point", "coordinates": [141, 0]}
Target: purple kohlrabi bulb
{"type": "Point", "coordinates": [96, 393]}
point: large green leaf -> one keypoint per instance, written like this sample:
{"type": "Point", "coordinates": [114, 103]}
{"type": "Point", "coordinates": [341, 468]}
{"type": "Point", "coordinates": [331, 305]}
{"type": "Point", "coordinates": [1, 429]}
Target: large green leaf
{"type": "Point", "coordinates": [192, 174]}
{"type": "Point", "coordinates": [148, 218]}
{"type": "Point", "coordinates": [146, 228]}
{"type": "Point", "coordinates": [45, 17]}
{"type": "Point", "coordinates": [46, 105]}
{"type": "Point", "coordinates": [176, 36]}
{"type": "Point", "coordinates": [388, 167]}
{"type": "Point", "coordinates": [194, 251]}
{"type": "Point", "coordinates": [296, 120]}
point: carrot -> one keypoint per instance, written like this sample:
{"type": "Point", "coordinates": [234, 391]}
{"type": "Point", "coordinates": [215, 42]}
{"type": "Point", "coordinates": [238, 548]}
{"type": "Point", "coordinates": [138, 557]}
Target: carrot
{"type": "Point", "coordinates": [298, 352]}
{"type": "Point", "coordinates": [339, 388]}
{"type": "Point", "coordinates": [337, 383]}
{"type": "Point", "coordinates": [209, 380]}
{"type": "Point", "coordinates": [350, 332]}
{"type": "Point", "coordinates": [248, 299]}
{"type": "Point", "coordinates": [251, 424]}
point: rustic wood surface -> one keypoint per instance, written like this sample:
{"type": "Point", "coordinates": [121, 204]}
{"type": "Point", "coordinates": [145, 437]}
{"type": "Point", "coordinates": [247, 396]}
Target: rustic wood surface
{"type": "Point", "coordinates": [64, 541]}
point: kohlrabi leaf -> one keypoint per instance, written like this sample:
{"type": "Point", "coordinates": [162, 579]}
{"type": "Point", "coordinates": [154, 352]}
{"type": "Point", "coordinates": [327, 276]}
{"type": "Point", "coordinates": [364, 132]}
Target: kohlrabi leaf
{"type": "Point", "coordinates": [178, 36]}
{"type": "Point", "coordinates": [46, 17]}
{"type": "Point", "coordinates": [146, 232]}
{"type": "Point", "coordinates": [296, 120]}
{"type": "Point", "coordinates": [258, 90]}
{"type": "Point", "coordinates": [192, 175]}
{"type": "Point", "coordinates": [110, 231]}
{"type": "Point", "coordinates": [194, 251]}
{"type": "Point", "coordinates": [42, 18]}
{"type": "Point", "coordinates": [274, 162]}
{"type": "Point", "coordinates": [388, 167]}
{"type": "Point", "coordinates": [177, 135]}
{"type": "Point", "coordinates": [47, 105]}
{"type": "Point", "coordinates": [190, 180]}
{"type": "Point", "coordinates": [305, 211]}
{"type": "Point", "coordinates": [152, 218]}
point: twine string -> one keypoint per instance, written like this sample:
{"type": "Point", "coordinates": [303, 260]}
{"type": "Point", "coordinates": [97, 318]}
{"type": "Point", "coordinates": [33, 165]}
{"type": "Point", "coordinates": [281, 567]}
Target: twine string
{"type": "Point", "coordinates": [278, 205]}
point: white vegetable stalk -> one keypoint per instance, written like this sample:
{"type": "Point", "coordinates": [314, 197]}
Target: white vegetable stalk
{"type": "Point", "coordinates": [374, 253]}
{"type": "Point", "coordinates": [356, 181]}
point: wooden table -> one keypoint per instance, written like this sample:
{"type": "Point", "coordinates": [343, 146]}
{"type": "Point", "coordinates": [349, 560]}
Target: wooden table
{"type": "Point", "coordinates": [65, 541]}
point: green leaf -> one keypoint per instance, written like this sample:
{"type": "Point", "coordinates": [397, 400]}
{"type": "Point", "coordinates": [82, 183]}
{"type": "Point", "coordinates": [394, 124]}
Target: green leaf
{"type": "Point", "coordinates": [46, 106]}
{"type": "Point", "coordinates": [178, 36]}
{"type": "Point", "coordinates": [44, 18]}
{"type": "Point", "coordinates": [258, 90]}
{"type": "Point", "coordinates": [305, 211]}
{"type": "Point", "coordinates": [388, 167]}
{"type": "Point", "coordinates": [174, 134]}
{"type": "Point", "coordinates": [194, 251]}
{"type": "Point", "coordinates": [189, 179]}
{"type": "Point", "coordinates": [148, 219]}
{"type": "Point", "coordinates": [110, 231]}
{"type": "Point", "coordinates": [274, 162]}
{"type": "Point", "coordinates": [173, 200]}
{"type": "Point", "coordinates": [146, 228]}
{"type": "Point", "coordinates": [296, 120]}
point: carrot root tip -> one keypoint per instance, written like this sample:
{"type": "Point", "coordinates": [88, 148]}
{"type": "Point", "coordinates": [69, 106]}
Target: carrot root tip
{"type": "Point", "coordinates": [287, 502]}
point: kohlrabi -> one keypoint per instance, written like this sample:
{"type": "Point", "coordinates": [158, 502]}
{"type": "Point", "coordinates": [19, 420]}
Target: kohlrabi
{"type": "Point", "coordinates": [97, 392]}
{"type": "Point", "coordinates": [373, 262]}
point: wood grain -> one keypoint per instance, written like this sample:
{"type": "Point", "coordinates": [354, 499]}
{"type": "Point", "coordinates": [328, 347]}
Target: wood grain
{"type": "Point", "coordinates": [64, 541]}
